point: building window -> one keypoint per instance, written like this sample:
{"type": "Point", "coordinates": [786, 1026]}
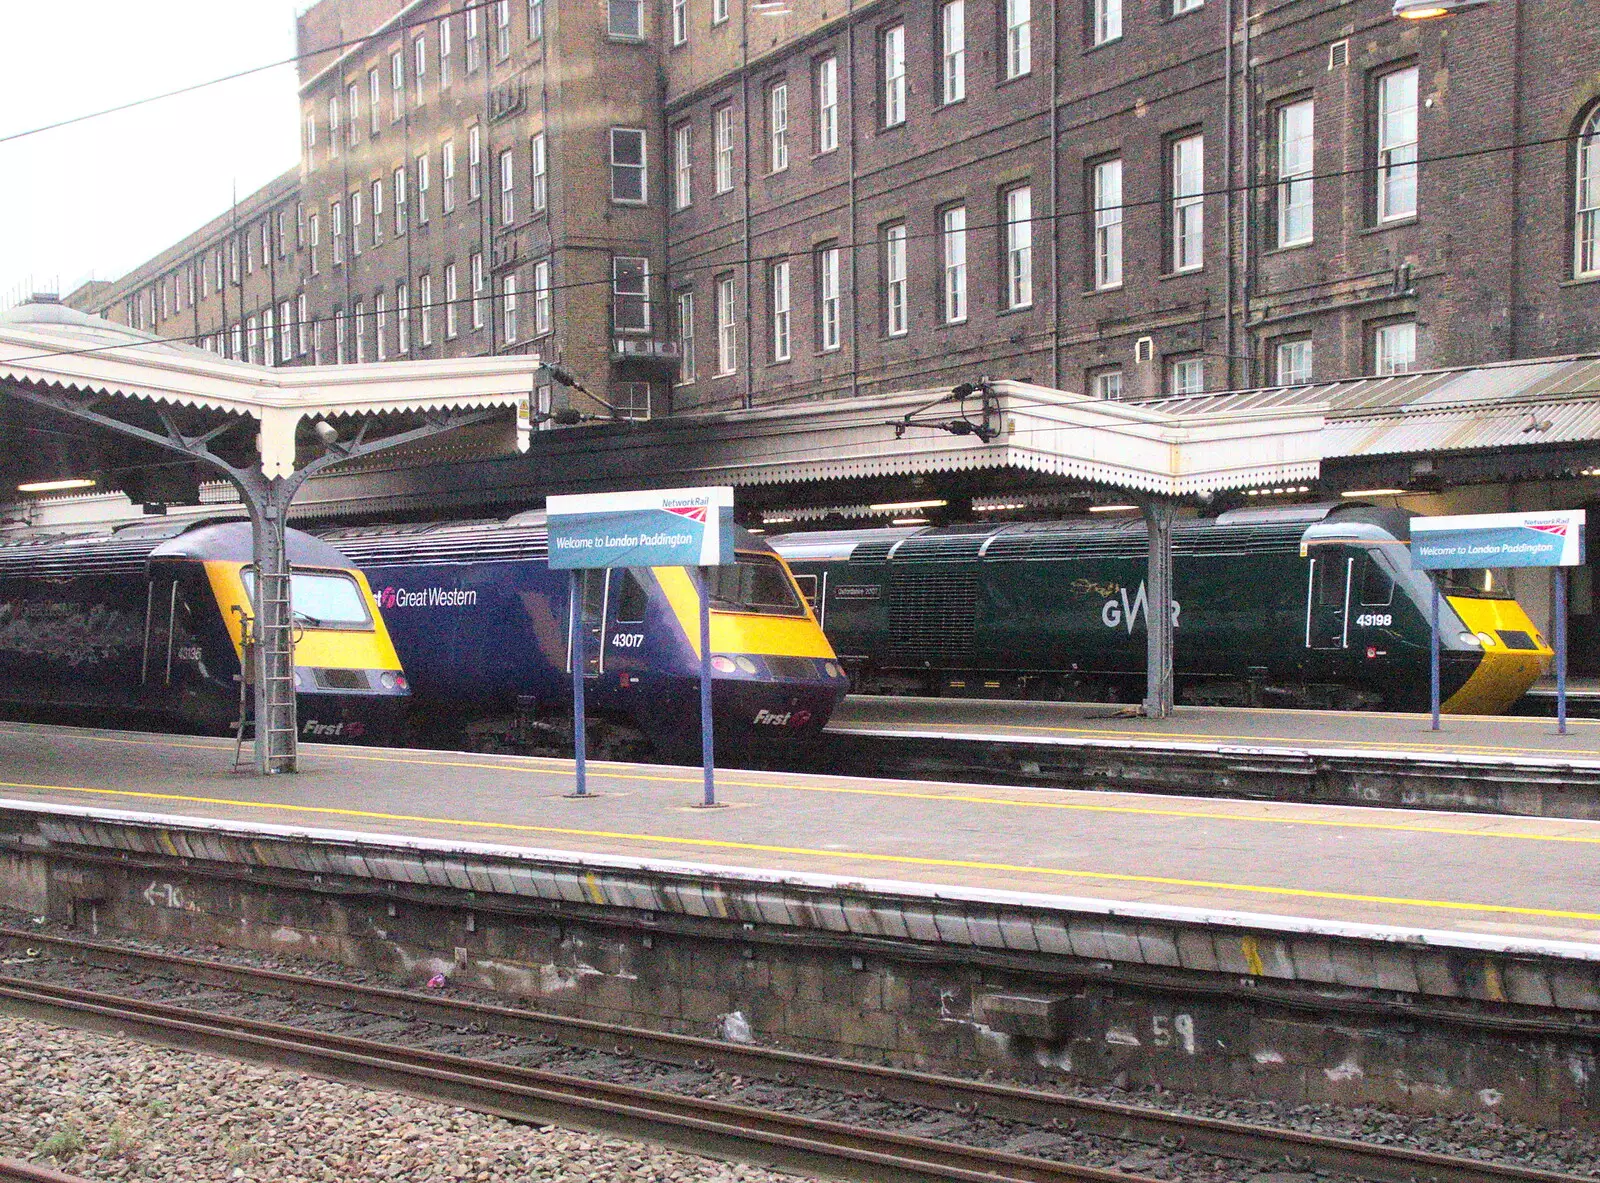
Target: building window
{"type": "Point", "coordinates": [632, 400]}
{"type": "Point", "coordinates": [474, 162]}
{"type": "Point", "coordinates": [452, 321]}
{"type": "Point", "coordinates": [628, 166]}
{"type": "Point", "coordinates": [1106, 384]}
{"type": "Point", "coordinates": [686, 371]}
{"type": "Point", "coordinates": [1397, 144]}
{"type": "Point", "coordinates": [374, 101]}
{"type": "Point", "coordinates": [508, 187]}
{"type": "Point", "coordinates": [285, 332]}
{"type": "Point", "coordinates": [352, 98]}
{"type": "Point", "coordinates": [541, 173]}
{"type": "Point", "coordinates": [535, 20]}
{"type": "Point", "coordinates": [1188, 203]}
{"type": "Point", "coordinates": [953, 49]}
{"type": "Point", "coordinates": [358, 328]}
{"type": "Point", "coordinates": [630, 294]}
{"type": "Point", "coordinates": [727, 328]}
{"type": "Point", "coordinates": [313, 240]}
{"type": "Point", "coordinates": [310, 141]}
{"type": "Point", "coordinates": [502, 30]}
{"type": "Point", "coordinates": [894, 76]}
{"type": "Point", "coordinates": [541, 297]}
{"type": "Point", "coordinates": [253, 341]}
{"type": "Point", "coordinates": [397, 86]}
{"type": "Point", "coordinates": [1107, 27]}
{"type": "Point", "coordinates": [444, 53]}
{"type": "Point", "coordinates": [1019, 38]}
{"type": "Point", "coordinates": [1295, 168]}
{"type": "Point", "coordinates": [336, 210]}
{"type": "Point", "coordinates": [299, 234]}
{"type": "Point", "coordinates": [1186, 375]}
{"type": "Point", "coordinates": [340, 336]}
{"type": "Point", "coordinates": [1292, 361]}
{"type": "Point", "coordinates": [894, 280]}
{"type": "Point", "coordinates": [380, 322]}
{"type": "Point", "coordinates": [399, 201]}
{"type": "Point", "coordinates": [778, 283]}
{"type": "Point", "coordinates": [402, 318]}
{"type": "Point", "coordinates": [249, 253]}
{"type": "Point", "coordinates": [953, 223]}
{"type": "Point", "coordinates": [722, 121]}
{"type": "Point", "coordinates": [303, 335]}
{"type": "Point", "coordinates": [828, 104]}
{"type": "Point", "coordinates": [424, 184]}
{"type": "Point", "coordinates": [508, 304]}
{"type": "Point", "coordinates": [1182, 6]}
{"type": "Point", "coordinates": [355, 222]}
{"type": "Point", "coordinates": [447, 175]}
{"type": "Point", "coordinates": [680, 21]}
{"type": "Point", "coordinates": [377, 212]}
{"type": "Point", "coordinates": [333, 127]}
{"type": "Point", "coordinates": [477, 290]}
{"type": "Point", "coordinates": [474, 38]}
{"type": "Point", "coordinates": [778, 127]}
{"type": "Point", "coordinates": [419, 64]}
{"type": "Point", "coordinates": [719, 11]}
{"type": "Point", "coordinates": [625, 19]}
{"type": "Point", "coordinates": [425, 310]}
{"type": "Point", "coordinates": [682, 167]}
{"type": "Point", "coordinates": [1586, 206]}
{"type": "Point", "coordinates": [1019, 247]}
{"type": "Point", "coordinates": [1394, 348]}
{"type": "Point", "coordinates": [1108, 224]}
{"type": "Point", "coordinates": [830, 304]}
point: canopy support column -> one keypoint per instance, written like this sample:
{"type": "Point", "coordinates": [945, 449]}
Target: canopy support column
{"type": "Point", "coordinates": [1159, 514]}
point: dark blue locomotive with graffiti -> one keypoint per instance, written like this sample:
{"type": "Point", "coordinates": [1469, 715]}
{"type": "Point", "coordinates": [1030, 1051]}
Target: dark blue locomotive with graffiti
{"type": "Point", "coordinates": [485, 631]}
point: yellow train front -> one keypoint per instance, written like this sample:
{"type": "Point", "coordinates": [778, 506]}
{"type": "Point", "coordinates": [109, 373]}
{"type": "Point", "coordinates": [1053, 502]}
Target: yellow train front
{"type": "Point", "coordinates": [144, 626]}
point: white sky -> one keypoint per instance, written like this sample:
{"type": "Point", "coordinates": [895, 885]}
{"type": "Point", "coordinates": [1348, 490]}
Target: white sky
{"type": "Point", "coordinates": [102, 196]}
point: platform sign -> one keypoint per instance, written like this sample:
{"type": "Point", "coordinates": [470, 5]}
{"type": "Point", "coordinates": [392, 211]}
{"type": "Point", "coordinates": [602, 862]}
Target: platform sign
{"type": "Point", "coordinates": [655, 528]}
{"type": "Point", "coordinates": [1553, 538]}
{"type": "Point", "coordinates": [1550, 538]}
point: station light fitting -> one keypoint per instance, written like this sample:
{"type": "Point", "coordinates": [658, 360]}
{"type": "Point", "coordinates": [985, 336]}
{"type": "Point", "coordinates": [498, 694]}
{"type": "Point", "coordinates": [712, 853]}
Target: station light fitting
{"type": "Point", "coordinates": [1427, 10]}
{"type": "Point", "coordinates": [1374, 493]}
{"type": "Point", "coordinates": [911, 521]}
{"type": "Point", "coordinates": [1113, 509]}
{"type": "Point", "coordinates": [897, 506]}
{"type": "Point", "coordinates": [58, 486]}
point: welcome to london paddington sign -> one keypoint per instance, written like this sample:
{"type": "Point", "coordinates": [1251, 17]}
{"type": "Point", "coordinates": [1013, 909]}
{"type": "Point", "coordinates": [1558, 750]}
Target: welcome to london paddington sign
{"type": "Point", "coordinates": [1553, 538]}
{"type": "Point", "coordinates": [657, 528]}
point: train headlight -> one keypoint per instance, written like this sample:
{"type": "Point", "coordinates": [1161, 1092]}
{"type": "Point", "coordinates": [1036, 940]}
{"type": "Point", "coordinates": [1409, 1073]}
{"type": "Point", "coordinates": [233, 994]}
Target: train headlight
{"type": "Point", "coordinates": [386, 680]}
{"type": "Point", "coordinates": [723, 665]}
{"type": "Point", "coordinates": [299, 680]}
{"type": "Point", "coordinates": [832, 669]}
{"type": "Point", "coordinates": [1470, 640]}
{"type": "Point", "coordinates": [746, 665]}
{"type": "Point", "coordinates": [1487, 639]}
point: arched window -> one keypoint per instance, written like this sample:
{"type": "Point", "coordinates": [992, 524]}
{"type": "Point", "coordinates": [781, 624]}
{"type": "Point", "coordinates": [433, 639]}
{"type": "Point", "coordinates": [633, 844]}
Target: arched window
{"type": "Point", "coordinates": [1586, 207]}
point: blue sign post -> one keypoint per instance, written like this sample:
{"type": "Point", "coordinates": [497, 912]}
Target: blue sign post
{"type": "Point", "coordinates": [1550, 539]}
{"type": "Point", "coordinates": [660, 528]}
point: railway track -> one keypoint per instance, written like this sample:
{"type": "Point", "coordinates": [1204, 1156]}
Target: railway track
{"type": "Point", "coordinates": [707, 1125]}
{"type": "Point", "coordinates": [16, 1171]}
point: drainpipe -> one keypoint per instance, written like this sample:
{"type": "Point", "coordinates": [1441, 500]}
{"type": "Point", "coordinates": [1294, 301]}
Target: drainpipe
{"type": "Point", "coordinates": [1227, 195]}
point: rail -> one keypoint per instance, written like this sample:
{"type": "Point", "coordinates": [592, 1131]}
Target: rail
{"type": "Point", "coordinates": [12, 1169]}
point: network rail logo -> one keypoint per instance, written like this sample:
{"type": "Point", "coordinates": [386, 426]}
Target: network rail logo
{"type": "Point", "coordinates": [390, 598]}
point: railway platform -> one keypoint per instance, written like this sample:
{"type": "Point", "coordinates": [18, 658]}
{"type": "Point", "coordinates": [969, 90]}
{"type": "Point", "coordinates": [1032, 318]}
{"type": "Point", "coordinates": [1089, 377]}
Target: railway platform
{"type": "Point", "coordinates": [1515, 765]}
{"type": "Point", "coordinates": [1198, 943]}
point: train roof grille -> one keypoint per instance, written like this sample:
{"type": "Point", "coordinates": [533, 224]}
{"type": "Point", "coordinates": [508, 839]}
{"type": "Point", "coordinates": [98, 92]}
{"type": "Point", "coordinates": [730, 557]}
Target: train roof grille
{"type": "Point", "coordinates": [496, 544]}
{"type": "Point", "coordinates": [940, 547]}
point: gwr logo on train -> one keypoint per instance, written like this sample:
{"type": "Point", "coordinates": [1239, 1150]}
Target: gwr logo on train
{"type": "Point", "coordinates": [1125, 612]}
{"type": "Point", "coordinates": [427, 597]}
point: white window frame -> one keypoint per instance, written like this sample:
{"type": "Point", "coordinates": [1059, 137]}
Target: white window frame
{"type": "Point", "coordinates": [1107, 21]}
{"type": "Point", "coordinates": [508, 308]}
{"type": "Point", "coordinates": [508, 187]}
{"type": "Point", "coordinates": [452, 292]}
{"type": "Point", "coordinates": [727, 327]}
{"type": "Point", "coordinates": [336, 211]}
{"type": "Point", "coordinates": [953, 262]}
{"type": "Point", "coordinates": [778, 127]}
{"type": "Point", "coordinates": [896, 310]}
{"type": "Point", "coordinates": [686, 361]}
{"type": "Point", "coordinates": [682, 166]}
{"type": "Point", "coordinates": [355, 222]}
{"type": "Point", "coordinates": [424, 186]}
{"type": "Point", "coordinates": [400, 197]}
{"type": "Point", "coordinates": [252, 337]}
{"type": "Point", "coordinates": [1019, 38]}
{"type": "Point", "coordinates": [1387, 356]}
{"type": "Point", "coordinates": [502, 30]}
{"type": "Point", "coordinates": [352, 124]}
{"type": "Point", "coordinates": [1019, 247]}
{"type": "Point", "coordinates": [419, 63]}
{"type": "Point", "coordinates": [638, 169]}
{"type": "Point", "coordinates": [476, 276]}
{"type": "Point", "coordinates": [1187, 164]}
{"type": "Point", "coordinates": [779, 286]}
{"type": "Point", "coordinates": [830, 299]}
{"type": "Point", "coordinates": [539, 169]}
{"type": "Point", "coordinates": [380, 325]}
{"type": "Point", "coordinates": [535, 20]}
{"type": "Point", "coordinates": [894, 76]}
{"type": "Point", "coordinates": [719, 11]}
{"type": "Point", "coordinates": [1107, 385]}
{"type": "Point", "coordinates": [444, 54]}
{"type": "Point", "coordinates": [341, 336]}
{"type": "Point", "coordinates": [1296, 124]}
{"type": "Point", "coordinates": [722, 131]}
{"type": "Point", "coordinates": [374, 100]}
{"type": "Point", "coordinates": [636, 32]}
{"type": "Point", "coordinates": [397, 86]}
{"type": "Point", "coordinates": [1292, 360]}
{"type": "Point", "coordinates": [303, 321]}
{"type": "Point", "coordinates": [358, 327]}
{"type": "Point", "coordinates": [680, 22]}
{"type": "Point", "coordinates": [333, 127]}
{"type": "Point", "coordinates": [1179, 7]}
{"type": "Point", "coordinates": [474, 162]}
{"type": "Point", "coordinates": [1108, 224]}
{"type": "Point", "coordinates": [285, 331]}
{"type": "Point", "coordinates": [313, 239]}
{"type": "Point", "coordinates": [640, 295]}
{"type": "Point", "coordinates": [425, 310]}
{"type": "Point", "coordinates": [447, 176]}
{"type": "Point", "coordinates": [953, 50]}
{"type": "Point", "coordinates": [1398, 143]}
{"type": "Point", "coordinates": [541, 298]}
{"type": "Point", "coordinates": [377, 211]}
{"type": "Point", "coordinates": [828, 104]}
{"type": "Point", "coordinates": [1586, 199]}
{"type": "Point", "coordinates": [473, 39]}
{"type": "Point", "coordinates": [1186, 375]}
{"type": "Point", "coordinates": [402, 317]}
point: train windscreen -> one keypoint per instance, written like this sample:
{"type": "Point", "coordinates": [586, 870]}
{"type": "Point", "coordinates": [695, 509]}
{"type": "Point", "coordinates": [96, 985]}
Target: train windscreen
{"type": "Point", "coordinates": [321, 599]}
{"type": "Point", "coordinates": [755, 583]}
{"type": "Point", "coordinates": [1481, 583]}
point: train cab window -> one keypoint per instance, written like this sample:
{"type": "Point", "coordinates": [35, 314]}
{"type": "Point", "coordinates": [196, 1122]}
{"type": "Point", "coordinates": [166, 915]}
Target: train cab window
{"type": "Point", "coordinates": [1377, 588]}
{"type": "Point", "coordinates": [321, 599]}
{"type": "Point", "coordinates": [808, 589]}
{"type": "Point", "coordinates": [631, 598]}
{"type": "Point", "coordinates": [755, 583]}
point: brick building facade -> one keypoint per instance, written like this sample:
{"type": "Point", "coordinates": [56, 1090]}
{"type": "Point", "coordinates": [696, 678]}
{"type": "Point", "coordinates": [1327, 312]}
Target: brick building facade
{"type": "Point", "coordinates": [1116, 195]}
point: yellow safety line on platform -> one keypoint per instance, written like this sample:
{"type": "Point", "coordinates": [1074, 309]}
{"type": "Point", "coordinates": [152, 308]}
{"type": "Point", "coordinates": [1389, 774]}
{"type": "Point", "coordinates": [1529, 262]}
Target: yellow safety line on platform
{"type": "Point", "coordinates": [833, 855]}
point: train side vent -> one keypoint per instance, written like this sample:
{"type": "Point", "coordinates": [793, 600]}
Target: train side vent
{"type": "Point", "coordinates": [876, 551]}
{"type": "Point", "coordinates": [934, 548]}
{"type": "Point", "coordinates": [931, 615]}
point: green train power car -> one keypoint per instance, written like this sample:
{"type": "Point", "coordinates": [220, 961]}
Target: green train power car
{"type": "Point", "coordinates": [1304, 606]}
